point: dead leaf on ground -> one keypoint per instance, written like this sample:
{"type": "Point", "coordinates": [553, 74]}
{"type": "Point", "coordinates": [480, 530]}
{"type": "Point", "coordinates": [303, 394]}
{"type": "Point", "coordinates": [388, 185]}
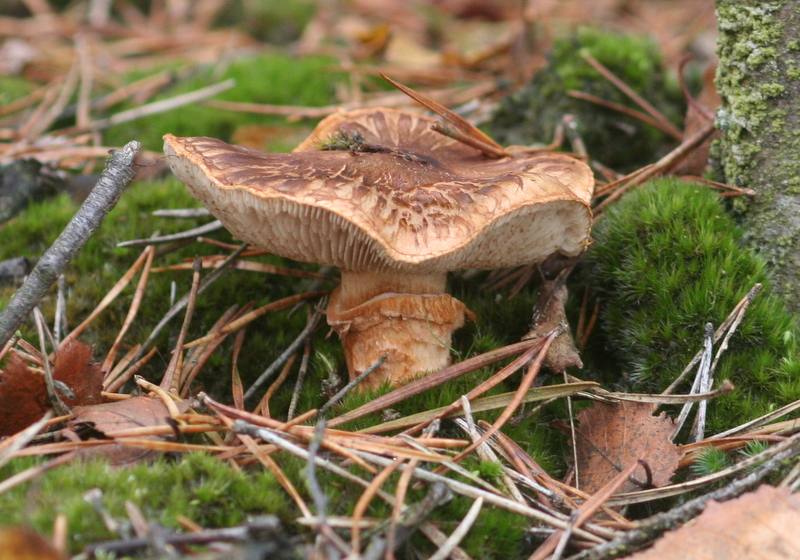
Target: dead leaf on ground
{"type": "Point", "coordinates": [611, 436]}
{"type": "Point", "coordinates": [757, 525]}
{"type": "Point", "coordinates": [23, 397]}
{"type": "Point", "coordinates": [106, 418]}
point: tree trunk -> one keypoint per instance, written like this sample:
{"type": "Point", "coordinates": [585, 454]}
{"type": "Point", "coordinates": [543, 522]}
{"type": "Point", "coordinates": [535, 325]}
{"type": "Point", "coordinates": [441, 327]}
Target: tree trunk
{"type": "Point", "coordinates": [758, 79]}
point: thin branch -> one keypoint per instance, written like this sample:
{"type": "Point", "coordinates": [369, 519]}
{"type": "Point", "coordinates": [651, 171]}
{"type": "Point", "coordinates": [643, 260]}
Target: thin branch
{"type": "Point", "coordinates": [116, 176]}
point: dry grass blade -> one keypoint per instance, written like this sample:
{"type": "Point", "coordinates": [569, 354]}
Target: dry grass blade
{"type": "Point", "coordinates": [661, 166]}
{"type": "Point", "coordinates": [644, 117]}
{"type": "Point", "coordinates": [12, 444]}
{"type": "Point", "coordinates": [270, 463]}
{"type": "Point", "coordinates": [138, 294]}
{"type": "Point", "coordinates": [480, 405]}
{"type": "Point", "coordinates": [279, 305]}
{"type": "Point", "coordinates": [33, 472]}
{"type": "Point", "coordinates": [491, 498]}
{"type": "Point", "coordinates": [109, 297]}
{"type": "Point", "coordinates": [214, 260]}
{"type": "Point", "coordinates": [586, 511]}
{"type": "Point", "coordinates": [366, 498]}
{"type": "Point", "coordinates": [465, 129]}
{"type": "Point", "coordinates": [131, 371]}
{"type": "Point", "coordinates": [197, 357]}
{"type": "Point", "coordinates": [497, 378]}
{"type": "Point", "coordinates": [666, 125]}
{"type": "Point", "coordinates": [460, 532]}
{"type": "Point", "coordinates": [526, 383]}
{"type": "Point", "coordinates": [435, 379]}
{"type": "Point", "coordinates": [171, 381]}
{"type": "Point", "coordinates": [681, 488]}
{"type": "Point", "coordinates": [160, 106]}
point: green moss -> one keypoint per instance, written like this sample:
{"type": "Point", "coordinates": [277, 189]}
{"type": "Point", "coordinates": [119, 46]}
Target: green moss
{"type": "Point", "coordinates": [13, 88]}
{"type": "Point", "coordinates": [711, 460]}
{"type": "Point", "coordinates": [272, 79]}
{"type": "Point", "coordinates": [667, 260]}
{"type": "Point", "coordinates": [198, 486]}
{"type": "Point", "coordinates": [615, 139]}
{"type": "Point", "coordinates": [100, 264]}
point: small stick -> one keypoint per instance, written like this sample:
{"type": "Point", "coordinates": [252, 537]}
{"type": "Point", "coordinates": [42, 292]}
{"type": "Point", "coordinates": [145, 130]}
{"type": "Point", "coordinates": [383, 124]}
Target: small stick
{"type": "Point", "coordinates": [346, 389]}
{"type": "Point", "coordinates": [52, 396]}
{"type": "Point", "coordinates": [60, 320]}
{"type": "Point", "coordinates": [188, 234]}
{"type": "Point", "coordinates": [116, 176]}
{"type": "Point", "coordinates": [296, 343]}
{"type": "Point", "coordinates": [172, 382]}
{"type": "Point", "coordinates": [460, 532]}
{"type": "Point", "coordinates": [644, 117]}
{"type": "Point", "coordinates": [298, 385]}
{"type": "Point", "coordinates": [182, 213]}
{"type": "Point", "coordinates": [138, 295]}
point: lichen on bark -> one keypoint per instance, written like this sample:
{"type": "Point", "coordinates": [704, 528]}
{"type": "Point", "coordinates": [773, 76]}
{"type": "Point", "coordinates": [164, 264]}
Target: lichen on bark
{"type": "Point", "coordinates": [759, 82]}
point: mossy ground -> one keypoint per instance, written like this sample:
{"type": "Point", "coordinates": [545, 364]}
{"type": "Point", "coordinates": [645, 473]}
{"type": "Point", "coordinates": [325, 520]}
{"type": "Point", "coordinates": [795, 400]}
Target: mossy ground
{"type": "Point", "coordinates": [619, 141]}
{"type": "Point", "coordinates": [666, 260]}
{"type": "Point", "coordinates": [197, 486]}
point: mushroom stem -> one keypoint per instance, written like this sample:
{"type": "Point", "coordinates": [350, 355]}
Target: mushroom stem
{"type": "Point", "coordinates": [409, 319]}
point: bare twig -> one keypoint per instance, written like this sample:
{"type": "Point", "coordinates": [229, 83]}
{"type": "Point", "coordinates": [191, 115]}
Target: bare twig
{"type": "Point", "coordinates": [291, 349]}
{"type": "Point", "coordinates": [346, 389]}
{"type": "Point", "coordinates": [116, 176]}
{"type": "Point", "coordinates": [188, 234]}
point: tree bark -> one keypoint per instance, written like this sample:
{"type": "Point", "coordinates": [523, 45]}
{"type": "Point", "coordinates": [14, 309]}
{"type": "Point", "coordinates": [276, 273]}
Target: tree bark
{"type": "Point", "coordinates": [758, 79]}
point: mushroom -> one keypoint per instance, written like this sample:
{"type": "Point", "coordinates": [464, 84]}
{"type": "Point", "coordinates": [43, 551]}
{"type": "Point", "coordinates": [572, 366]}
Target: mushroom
{"type": "Point", "coordinates": [395, 205]}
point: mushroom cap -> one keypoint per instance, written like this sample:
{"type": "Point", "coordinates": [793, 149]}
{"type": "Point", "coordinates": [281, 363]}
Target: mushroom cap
{"type": "Point", "coordinates": [406, 199]}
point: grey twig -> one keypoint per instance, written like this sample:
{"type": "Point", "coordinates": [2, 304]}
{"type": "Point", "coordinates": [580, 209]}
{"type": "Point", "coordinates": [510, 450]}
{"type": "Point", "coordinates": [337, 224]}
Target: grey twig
{"type": "Point", "coordinates": [346, 389]}
{"type": "Point", "coordinates": [116, 176]}
{"type": "Point", "coordinates": [188, 234]}
{"type": "Point", "coordinates": [293, 347]}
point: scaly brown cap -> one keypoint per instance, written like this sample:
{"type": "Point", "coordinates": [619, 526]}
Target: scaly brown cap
{"type": "Point", "coordinates": [389, 194]}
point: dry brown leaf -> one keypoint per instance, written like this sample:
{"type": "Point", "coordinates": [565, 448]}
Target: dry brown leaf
{"type": "Point", "coordinates": [21, 543]}
{"type": "Point", "coordinates": [760, 525]}
{"type": "Point", "coordinates": [23, 397]}
{"type": "Point", "coordinates": [108, 418]}
{"type": "Point", "coordinates": [611, 436]}
{"type": "Point", "coordinates": [73, 366]}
